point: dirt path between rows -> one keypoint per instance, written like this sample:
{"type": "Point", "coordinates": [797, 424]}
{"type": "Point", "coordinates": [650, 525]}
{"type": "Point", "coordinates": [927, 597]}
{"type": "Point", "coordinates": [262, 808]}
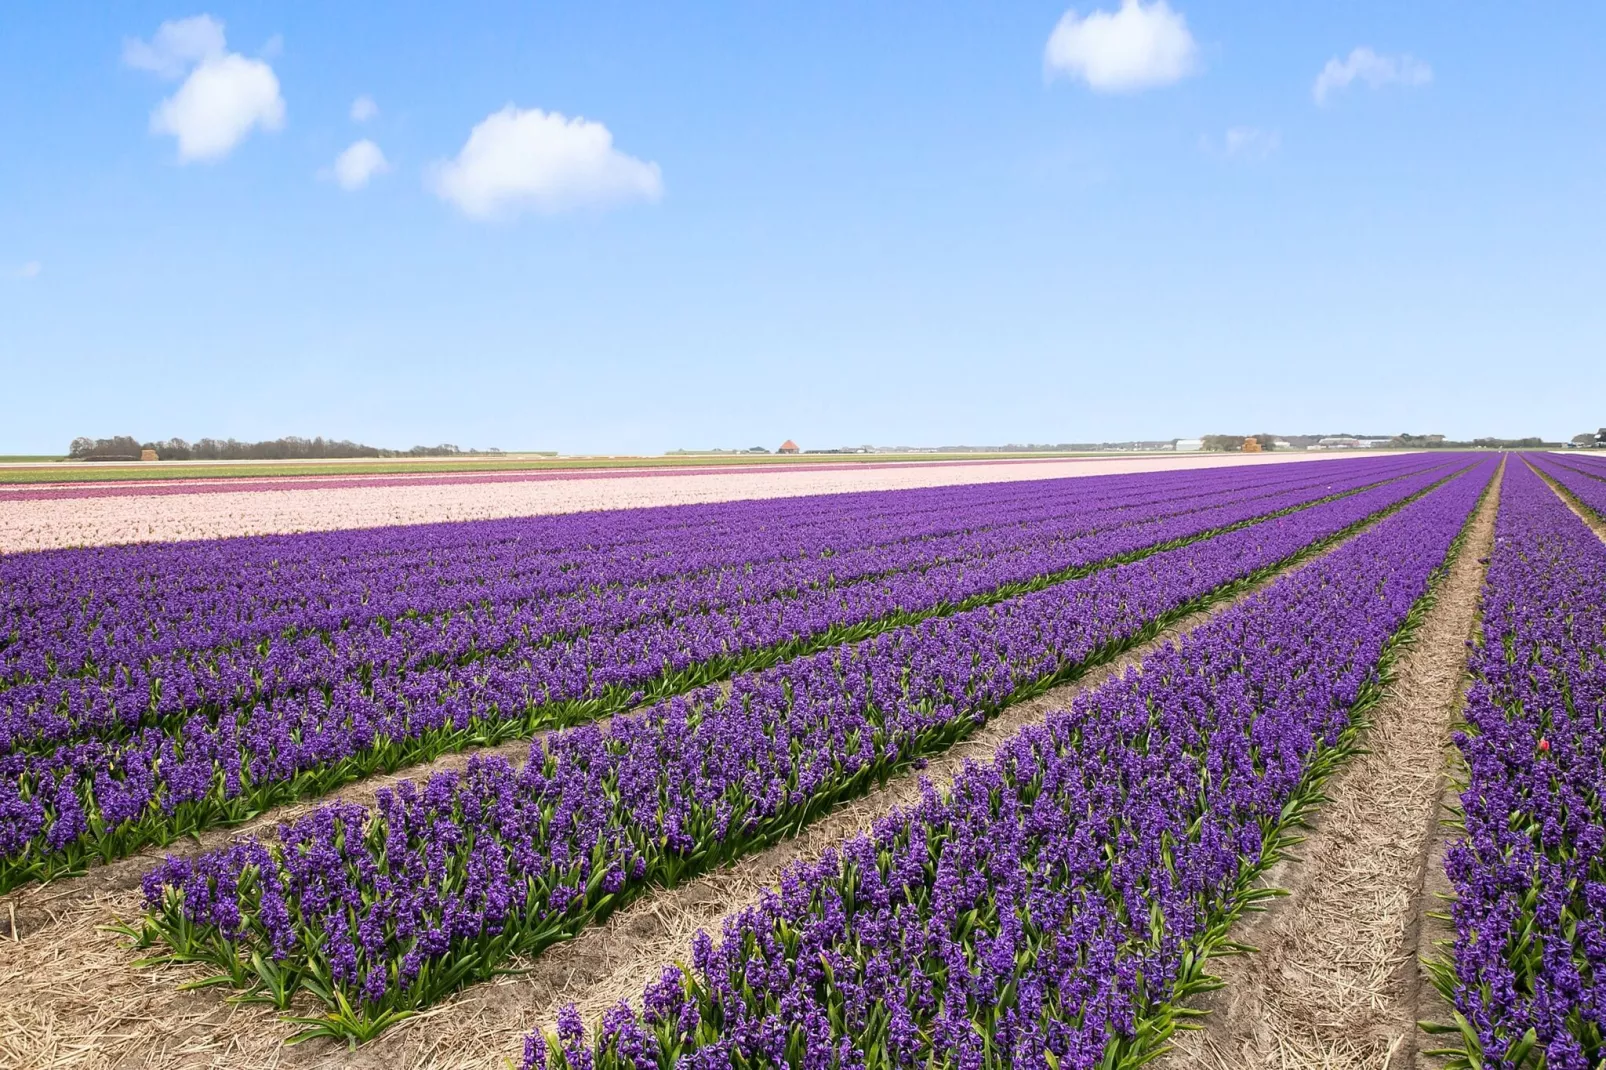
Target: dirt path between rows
{"type": "Point", "coordinates": [72, 997]}
{"type": "Point", "coordinates": [1336, 983]}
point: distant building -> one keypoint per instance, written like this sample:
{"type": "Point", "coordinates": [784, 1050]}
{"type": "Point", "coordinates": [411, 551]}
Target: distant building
{"type": "Point", "coordinates": [1190, 445]}
{"type": "Point", "coordinates": [1281, 444]}
{"type": "Point", "coordinates": [788, 447]}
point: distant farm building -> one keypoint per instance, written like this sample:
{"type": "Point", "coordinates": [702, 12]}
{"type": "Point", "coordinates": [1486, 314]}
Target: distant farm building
{"type": "Point", "coordinates": [788, 447]}
{"type": "Point", "coordinates": [1190, 445]}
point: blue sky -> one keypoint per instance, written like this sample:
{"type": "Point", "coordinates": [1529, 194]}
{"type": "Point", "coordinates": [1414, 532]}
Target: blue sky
{"type": "Point", "coordinates": [836, 222]}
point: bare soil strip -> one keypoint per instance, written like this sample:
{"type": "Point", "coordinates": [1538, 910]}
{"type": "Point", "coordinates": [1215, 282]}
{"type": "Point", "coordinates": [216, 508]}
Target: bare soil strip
{"type": "Point", "coordinates": [1336, 983]}
{"type": "Point", "coordinates": [1434, 932]}
{"type": "Point", "coordinates": [72, 997]}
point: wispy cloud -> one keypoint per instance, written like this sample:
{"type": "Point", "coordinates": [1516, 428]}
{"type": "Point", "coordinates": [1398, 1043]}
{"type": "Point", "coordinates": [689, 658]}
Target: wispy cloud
{"type": "Point", "coordinates": [1374, 70]}
{"type": "Point", "coordinates": [363, 109]}
{"type": "Point", "coordinates": [176, 46]}
{"type": "Point", "coordinates": [1243, 142]}
{"type": "Point", "coordinates": [30, 270]}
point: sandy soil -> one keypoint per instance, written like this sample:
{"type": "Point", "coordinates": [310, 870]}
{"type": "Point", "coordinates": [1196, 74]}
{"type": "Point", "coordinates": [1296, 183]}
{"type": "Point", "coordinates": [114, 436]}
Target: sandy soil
{"type": "Point", "coordinates": [122, 518]}
{"type": "Point", "coordinates": [1335, 984]}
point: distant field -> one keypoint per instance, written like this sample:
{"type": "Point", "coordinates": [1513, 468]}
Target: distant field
{"type": "Point", "coordinates": [23, 458]}
{"type": "Point", "coordinates": [109, 472]}
{"type": "Point", "coordinates": [42, 515]}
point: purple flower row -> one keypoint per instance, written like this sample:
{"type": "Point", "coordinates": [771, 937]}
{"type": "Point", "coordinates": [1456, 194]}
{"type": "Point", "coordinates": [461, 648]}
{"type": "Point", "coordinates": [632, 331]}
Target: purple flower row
{"type": "Point", "coordinates": [385, 911]}
{"type": "Point", "coordinates": [1527, 975]}
{"type": "Point", "coordinates": [1584, 481]}
{"type": "Point", "coordinates": [739, 607]}
{"type": "Point", "coordinates": [1047, 909]}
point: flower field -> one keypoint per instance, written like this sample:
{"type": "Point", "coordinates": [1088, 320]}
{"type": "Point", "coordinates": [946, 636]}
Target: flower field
{"type": "Point", "coordinates": [1527, 970]}
{"type": "Point", "coordinates": [35, 517]}
{"type": "Point", "coordinates": [1047, 909]}
{"type": "Point", "coordinates": [1583, 478]}
{"type": "Point", "coordinates": [156, 691]}
{"type": "Point", "coordinates": [456, 875]}
{"type": "Point", "coordinates": [679, 692]}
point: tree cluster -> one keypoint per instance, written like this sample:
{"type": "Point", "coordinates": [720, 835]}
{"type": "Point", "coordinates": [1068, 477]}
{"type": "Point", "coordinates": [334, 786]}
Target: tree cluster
{"type": "Point", "coordinates": [1235, 443]}
{"type": "Point", "coordinates": [290, 448]}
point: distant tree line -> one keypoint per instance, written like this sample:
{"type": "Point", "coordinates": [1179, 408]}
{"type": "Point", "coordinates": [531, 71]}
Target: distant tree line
{"type": "Point", "coordinates": [1235, 443]}
{"type": "Point", "coordinates": [1439, 442]}
{"type": "Point", "coordinates": [289, 448]}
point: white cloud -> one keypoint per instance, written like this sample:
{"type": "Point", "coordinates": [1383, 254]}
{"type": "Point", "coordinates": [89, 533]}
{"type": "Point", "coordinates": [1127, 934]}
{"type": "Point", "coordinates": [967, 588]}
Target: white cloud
{"type": "Point", "coordinates": [30, 270]}
{"type": "Point", "coordinates": [363, 109]}
{"type": "Point", "coordinates": [218, 105]}
{"type": "Point", "coordinates": [359, 163]}
{"type": "Point", "coordinates": [224, 97]}
{"type": "Point", "coordinates": [1137, 47]}
{"type": "Point", "coordinates": [176, 46]}
{"type": "Point", "coordinates": [1244, 142]}
{"type": "Point", "coordinates": [517, 160]}
{"type": "Point", "coordinates": [1367, 66]}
